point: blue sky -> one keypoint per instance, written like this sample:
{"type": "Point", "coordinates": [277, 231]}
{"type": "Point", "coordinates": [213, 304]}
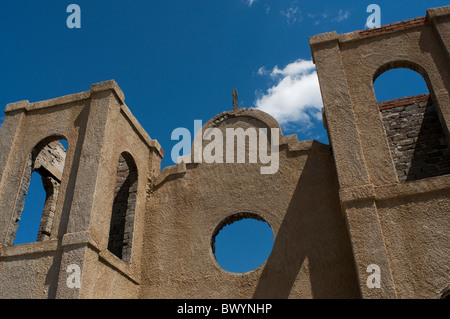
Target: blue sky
{"type": "Point", "coordinates": [178, 60]}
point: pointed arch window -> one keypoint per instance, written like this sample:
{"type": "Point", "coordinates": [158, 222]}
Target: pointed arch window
{"type": "Point", "coordinates": [123, 210]}
{"type": "Point", "coordinates": [36, 202]}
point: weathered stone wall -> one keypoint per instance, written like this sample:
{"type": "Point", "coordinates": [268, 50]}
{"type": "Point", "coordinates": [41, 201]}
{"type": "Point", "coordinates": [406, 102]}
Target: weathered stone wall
{"type": "Point", "coordinates": [32, 270]}
{"type": "Point", "coordinates": [391, 171]}
{"type": "Point", "coordinates": [52, 158]}
{"type": "Point", "coordinates": [333, 210]}
{"type": "Point", "coordinates": [79, 224]}
{"type": "Point", "coordinates": [20, 202]}
{"type": "Point", "coordinates": [416, 138]}
{"type": "Point", "coordinates": [112, 277]}
{"type": "Point", "coordinates": [311, 255]}
{"type": "Point", "coordinates": [416, 228]}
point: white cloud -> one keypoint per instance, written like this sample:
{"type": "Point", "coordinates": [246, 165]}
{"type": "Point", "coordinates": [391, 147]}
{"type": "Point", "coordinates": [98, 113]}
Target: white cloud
{"type": "Point", "coordinates": [262, 70]}
{"type": "Point", "coordinates": [342, 15]}
{"type": "Point", "coordinates": [292, 14]}
{"type": "Point", "coordinates": [296, 68]}
{"type": "Point", "coordinates": [295, 97]}
{"type": "Point", "coordinates": [250, 2]}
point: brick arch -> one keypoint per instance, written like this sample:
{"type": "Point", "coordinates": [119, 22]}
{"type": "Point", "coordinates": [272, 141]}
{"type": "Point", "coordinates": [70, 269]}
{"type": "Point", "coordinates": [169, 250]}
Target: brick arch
{"type": "Point", "coordinates": [123, 209]}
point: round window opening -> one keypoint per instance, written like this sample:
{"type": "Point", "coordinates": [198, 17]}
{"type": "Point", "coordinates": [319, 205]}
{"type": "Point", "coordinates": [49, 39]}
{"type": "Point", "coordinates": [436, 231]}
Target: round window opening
{"type": "Point", "coordinates": [242, 242]}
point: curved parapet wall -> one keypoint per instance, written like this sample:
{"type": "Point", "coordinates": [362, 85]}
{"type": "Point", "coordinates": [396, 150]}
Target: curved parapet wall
{"type": "Point", "coordinates": [188, 203]}
{"type": "Point", "coordinates": [238, 119]}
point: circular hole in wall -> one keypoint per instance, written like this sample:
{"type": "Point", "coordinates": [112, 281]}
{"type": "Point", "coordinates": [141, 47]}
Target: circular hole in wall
{"type": "Point", "coordinates": [242, 242]}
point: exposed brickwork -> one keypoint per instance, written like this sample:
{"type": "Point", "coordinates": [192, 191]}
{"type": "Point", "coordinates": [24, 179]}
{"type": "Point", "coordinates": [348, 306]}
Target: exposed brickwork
{"type": "Point", "coordinates": [51, 186]}
{"type": "Point", "coordinates": [122, 219]}
{"type": "Point", "coordinates": [52, 158]}
{"type": "Point", "coordinates": [403, 101]}
{"type": "Point", "coordinates": [393, 27]}
{"type": "Point", "coordinates": [416, 139]}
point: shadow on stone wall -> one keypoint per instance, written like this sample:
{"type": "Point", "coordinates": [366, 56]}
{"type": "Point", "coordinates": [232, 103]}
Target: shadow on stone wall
{"type": "Point", "coordinates": [431, 155]}
{"type": "Point", "coordinates": [312, 239]}
{"type": "Point", "coordinates": [417, 141]}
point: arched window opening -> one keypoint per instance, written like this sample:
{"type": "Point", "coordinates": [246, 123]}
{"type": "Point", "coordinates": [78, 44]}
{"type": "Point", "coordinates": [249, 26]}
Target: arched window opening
{"type": "Point", "coordinates": [398, 83]}
{"type": "Point", "coordinates": [122, 217]}
{"type": "Point", "coordinates": [38, 194]}
{"type": "Point", "coordinates": [242, 242]}
{"type": "Point", "coordinates": [30, 219]}
{"type": "Point", "coordinates": [416, 139]}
